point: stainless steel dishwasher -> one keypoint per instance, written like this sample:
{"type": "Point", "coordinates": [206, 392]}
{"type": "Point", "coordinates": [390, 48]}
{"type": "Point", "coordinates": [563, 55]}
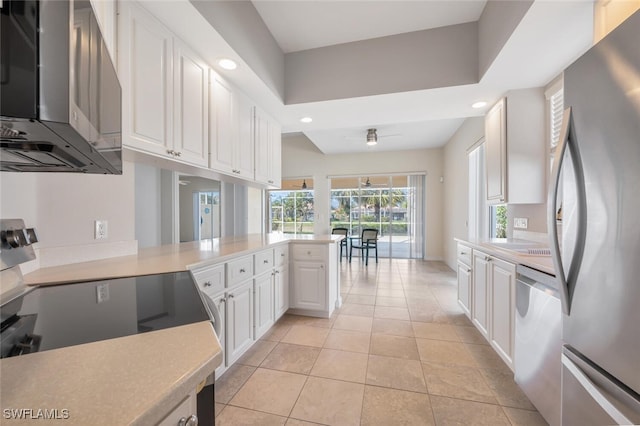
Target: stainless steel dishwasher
{"type": "Point", "coordinates": [538, 343]}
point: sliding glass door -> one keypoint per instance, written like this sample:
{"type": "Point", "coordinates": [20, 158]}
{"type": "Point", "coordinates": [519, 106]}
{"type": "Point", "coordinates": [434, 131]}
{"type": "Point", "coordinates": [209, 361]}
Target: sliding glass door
{"type": "Point", "coordinates": [391, 204]}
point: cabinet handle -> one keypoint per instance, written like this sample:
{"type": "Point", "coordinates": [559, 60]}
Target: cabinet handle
{"type": "Point", "coordinates": [170, 152]}
{"type": "Point", "coordinates": [487, 258]}
{"type": "Point", "coordinates": [231, 296]}
{"type": "Point", "coordinates": [468, 271]}
{"type": "Point", "coordinates": [178, 154]}
{"type": "Point", "coordinates": [281, 254]}
{"type": "Point", "coordinates": [277, 272]}
{"type": "Point", "coordinates": [207, 284]}
{"type": "Point", "coordinates": [463, 252]}
{"type": "Point", "coordinates": [265, 261]}
{"type": "Point", "coordinates": [242, 271]}
{"type": "Point", "coordinates": [270, 181]}
{"type": "Point", "coordinates": [192, 420]}
{"type": "Point", "coordinates": [321, 266]}
{"type": "Point", "coordinates": [223, 300]}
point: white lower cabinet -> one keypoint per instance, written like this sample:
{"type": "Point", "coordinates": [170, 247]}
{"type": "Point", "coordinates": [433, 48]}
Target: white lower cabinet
{"type": "Point", "coordinates": [282, 291]}
{"type": "Point", "coordinates": [310, 286]}
{"type": "Point", "coordinates": [187, 409]}
{"type": "Point", "coordinates": [239, 321]}
{"type": "Point", "coordinates": [503, 300]}
{"type": "Point", "coordinates": [464, 288]}
{"type": "Point", "coordinates": [493, 301]}
{"type": "Point", "coordinates": [465, 279]}
{"type": "Point", "coordinates": [480, 300]}
{"type": "Point", "coordinates": [264, 303]}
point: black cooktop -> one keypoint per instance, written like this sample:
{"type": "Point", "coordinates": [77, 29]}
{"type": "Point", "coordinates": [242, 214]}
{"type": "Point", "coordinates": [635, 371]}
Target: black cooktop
{"type": "Point", "coordinates": [72, 314]}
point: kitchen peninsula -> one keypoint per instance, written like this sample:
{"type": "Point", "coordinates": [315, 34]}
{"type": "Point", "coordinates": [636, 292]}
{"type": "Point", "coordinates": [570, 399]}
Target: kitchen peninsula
{"type": "Point", "coordinates": [89, 380]}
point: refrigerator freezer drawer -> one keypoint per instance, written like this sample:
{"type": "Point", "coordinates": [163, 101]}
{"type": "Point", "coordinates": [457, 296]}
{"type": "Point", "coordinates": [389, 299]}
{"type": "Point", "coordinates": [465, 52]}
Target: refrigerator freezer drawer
{"type": "Point", "coordinates": [589, 397]}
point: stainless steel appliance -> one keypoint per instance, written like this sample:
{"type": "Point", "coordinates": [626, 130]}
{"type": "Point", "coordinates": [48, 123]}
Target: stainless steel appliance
{"type": "Point", "coordinates": [60, 100]}
{"type": "Point", "coordinates": [597, 265]}
{"type": "Point", "coordinates": [538, 344]}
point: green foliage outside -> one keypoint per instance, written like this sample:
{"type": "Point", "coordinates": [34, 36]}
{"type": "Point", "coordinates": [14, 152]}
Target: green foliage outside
{"type": "Point", "coordinates": [501, 221]}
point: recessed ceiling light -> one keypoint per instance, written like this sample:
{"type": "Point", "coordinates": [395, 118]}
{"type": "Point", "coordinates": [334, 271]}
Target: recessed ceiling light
{"type": "Point", "coordinates": [306, 120]}
{"type": "Point", "coordinates": [479, 104]}
{"type": "Point", "coordinates": [228, 64]}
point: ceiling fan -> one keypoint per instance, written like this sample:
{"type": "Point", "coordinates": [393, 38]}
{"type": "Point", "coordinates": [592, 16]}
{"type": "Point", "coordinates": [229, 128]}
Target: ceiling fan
{"type": "Point", "coordinates": [372, 136]}
{"type": "Point", "coordinates": [368, 184]}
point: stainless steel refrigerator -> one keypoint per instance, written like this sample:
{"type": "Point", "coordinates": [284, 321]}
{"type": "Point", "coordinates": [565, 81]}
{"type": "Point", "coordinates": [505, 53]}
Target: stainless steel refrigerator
{"type": "Point", "coordinates": [596, 184]}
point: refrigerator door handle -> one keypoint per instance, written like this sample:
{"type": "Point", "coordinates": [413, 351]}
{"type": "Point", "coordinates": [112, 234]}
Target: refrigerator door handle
{"type": "Point", "coordinates": [567, 278]}
{"type": "Point", "coordinates": [593, 390]}
{"type": "Point", "coordinates": [552, 208]}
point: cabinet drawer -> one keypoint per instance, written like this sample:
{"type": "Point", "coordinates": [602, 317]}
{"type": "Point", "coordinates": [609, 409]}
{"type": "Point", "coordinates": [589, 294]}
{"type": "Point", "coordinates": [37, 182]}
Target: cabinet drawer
{"type": "Point", "coordinates": [239, 270]}
{"type": "Point", "coordinates": [210, 279]}
{"type": "Point", "coordinates": [281, 256]}
{"type": "Point", "coordinates": [464, 254]}
{"type": "Point", "coordinates": [263, 261]}
{"type": "Point", "coordinates": [309, 252]}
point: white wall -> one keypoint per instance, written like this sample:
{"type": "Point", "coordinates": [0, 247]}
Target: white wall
{"type": "Point", "coordinates": [63, 206]}
{"type": "Point", "coordinates": [300, 158]}
{"type": "Point", "coordinates": [456, 185]}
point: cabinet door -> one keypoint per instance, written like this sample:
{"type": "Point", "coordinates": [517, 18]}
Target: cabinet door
{"type": "Point", "coordinates": [309, 285]}
{"type": "Point", "coordinates": [243, 148]}
{"type": "Point", "coordinates": [220, 303]}
{"type": "Point", "coordinates": [267, 146]}
{"type": "Point", "coordinates": [190, 141]}
{"type": "Point", "coordinates": [275, 155]}
{"type": "Point", "coordinates": [282, 291]}
{"type": "Point", "coordinates": [261, 146]}
{"type": "Point", "coordinates": [480, 293]}
{"type": "Point", "coordinates": [263, 303]}
{"type": "Point", "coordinates": [221, 134]}
{"type": "Point", "coordinates": [187, 408]}
{"type": "Point", "coordinates": [502, 291]}
{"type": "Point", "coordinates": [496, 152]}
{"type": "Point", "coordinates": [464, 288]}
{"type": "Point", "coordinates": [239, 321]}
{"type": "Point", "coordinates": [145, 71]}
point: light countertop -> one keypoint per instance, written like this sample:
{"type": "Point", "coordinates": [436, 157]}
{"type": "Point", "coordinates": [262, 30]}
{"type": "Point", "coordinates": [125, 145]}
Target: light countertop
{"type": "Point", "coordinates": [541, 263]}
{"type": "Point", "coordinates": [129, 380]}
{"type": "Point", "coordinates": [168, 258]}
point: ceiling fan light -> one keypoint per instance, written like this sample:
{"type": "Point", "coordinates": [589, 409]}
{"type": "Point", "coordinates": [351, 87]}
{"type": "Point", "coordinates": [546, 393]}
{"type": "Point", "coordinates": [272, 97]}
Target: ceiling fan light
{"type": "Point", "coordinates": [304, 184]}
{"type": "Point", "coordinates": [372, 143]}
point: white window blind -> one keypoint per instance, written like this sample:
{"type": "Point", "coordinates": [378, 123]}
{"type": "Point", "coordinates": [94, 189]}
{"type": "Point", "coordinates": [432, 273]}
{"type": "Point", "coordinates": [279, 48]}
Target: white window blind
{"type": "Point", "coordinates": [556, 109]}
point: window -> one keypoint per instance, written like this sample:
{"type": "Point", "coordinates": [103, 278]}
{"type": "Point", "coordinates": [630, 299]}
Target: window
{"type": "Point", "coordinates": [477, 224]}
{"type": "Point", "coordinates": [555, 107]}
{"type": "Point", "coordinates": [291, 209]}
{"type": "Point", "coordinates": [391, 204]}
{"type": "Point", "coordinates": [498, 221]}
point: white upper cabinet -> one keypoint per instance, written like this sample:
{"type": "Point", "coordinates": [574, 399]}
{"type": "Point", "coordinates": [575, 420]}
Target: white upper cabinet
{"type": "Point", "coordinates": [516, 148]}
{"type": "Point", "coordinates": [191, 91]}
{"type": "Point", "coordinates": [165, 90]}
{"type": "Point", "coordinates": [220, 125]}
{"type": "Point", "coordinates": [146, 75]}
{"type": "Point", "coordinates": [231, 129]}
{"type": "Point", "coordinates": [268, 142]}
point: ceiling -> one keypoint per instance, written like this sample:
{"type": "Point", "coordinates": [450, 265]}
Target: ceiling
{"type": "Point", "coordinates": [549, 37]}
{"type": "Point", "coordinates": [302, 25]}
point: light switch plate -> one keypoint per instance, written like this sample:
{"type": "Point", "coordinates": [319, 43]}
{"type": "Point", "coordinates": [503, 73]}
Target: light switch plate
{"type": "Point", "coordinates": [520, 222]}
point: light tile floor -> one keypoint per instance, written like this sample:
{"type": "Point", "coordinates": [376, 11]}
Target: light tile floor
{"type": "Point", "coordinates": [399, 351]}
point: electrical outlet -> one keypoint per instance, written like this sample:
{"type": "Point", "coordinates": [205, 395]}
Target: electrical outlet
{"type": "Point", "coordinates": [102, 293]}
{"type": "Point", "coordinates": [102, 230]}
{"type": "Point", "coordinates": [520, 222]}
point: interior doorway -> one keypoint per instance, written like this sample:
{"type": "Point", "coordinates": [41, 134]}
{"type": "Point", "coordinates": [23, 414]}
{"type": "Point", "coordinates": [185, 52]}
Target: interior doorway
{"type": "Point", "coordinates": [199, 208]}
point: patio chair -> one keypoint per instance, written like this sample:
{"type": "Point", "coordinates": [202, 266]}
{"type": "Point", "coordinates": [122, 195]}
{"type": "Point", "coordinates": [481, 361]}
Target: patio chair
{"type": "Point", "coordinates": [368, 240]}
{"type": "Point", "coordinates": [343, 242]}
